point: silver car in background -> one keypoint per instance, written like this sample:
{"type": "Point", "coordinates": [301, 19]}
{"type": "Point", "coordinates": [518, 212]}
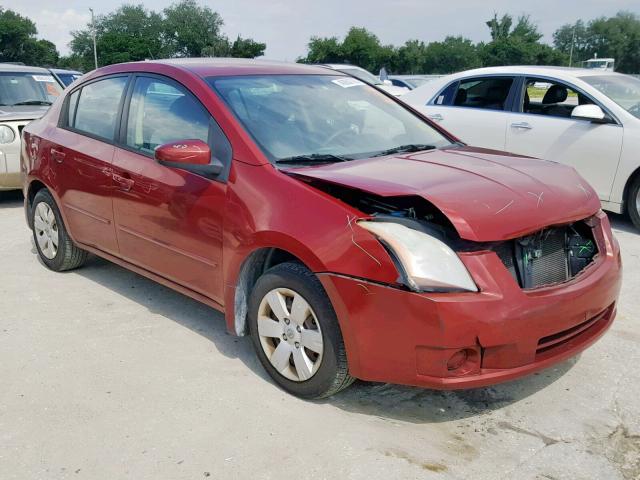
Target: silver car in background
{"type": "Point", "coordinates": [25, 94]}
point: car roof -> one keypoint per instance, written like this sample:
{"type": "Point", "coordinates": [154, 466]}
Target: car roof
{"type": "Point", "coordinates": [239, 66]}
{"type": "Point", "coordinates": [532, 70]}
{"type": "Point", "coordinates": [63, 70]}
{"type": "Point", "coordinates": [11, 67]}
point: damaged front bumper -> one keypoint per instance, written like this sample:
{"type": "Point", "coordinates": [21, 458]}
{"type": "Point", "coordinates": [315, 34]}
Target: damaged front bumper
{"type": "Point", "coordinates": [466, 340]}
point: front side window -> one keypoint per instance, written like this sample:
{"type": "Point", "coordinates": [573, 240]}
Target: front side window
{"type": "Point", "coordinates": [306, 115]}
{"type": "Point", "coordinates": [97, 107]}
{"type": "Point", "coordinates": [18, 88]}
{"type": "Point", "coordinates": [160, 113]}
{"type": "Point", "coordinates": [551, 98]}
{"type": "Point", "coordinates": [489, 93]}
{"type": "Point", "coordinates": [622, 89]}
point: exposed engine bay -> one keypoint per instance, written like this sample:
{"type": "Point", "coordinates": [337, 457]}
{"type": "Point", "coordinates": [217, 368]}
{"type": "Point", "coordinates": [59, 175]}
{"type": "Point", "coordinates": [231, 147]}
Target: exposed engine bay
{"type": "Point", "coordinates": [550, 256]}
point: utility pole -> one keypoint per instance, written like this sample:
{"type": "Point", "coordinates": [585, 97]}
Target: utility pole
{"type": "Point", "coordinates": [573, 40]}
{"type": "Point", "coordinates": [93, 29]}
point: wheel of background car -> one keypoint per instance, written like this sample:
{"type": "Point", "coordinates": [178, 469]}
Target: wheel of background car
{"type": "Point", "coordinates": [56, 249]}
{"type": "Point", "coordinates": [295, 332]}
{"type": "Point", "coordinates": [633, 202]}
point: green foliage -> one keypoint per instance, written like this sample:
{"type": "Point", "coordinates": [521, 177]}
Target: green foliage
{"type": "Point", "coordinates": [130, 33]}
{"type": "Point", "coordinates": [617, 37]}
{"type": "Point", "coordinates": [18, 41]}
{"type": "Point", "coordinates": [510, 44]}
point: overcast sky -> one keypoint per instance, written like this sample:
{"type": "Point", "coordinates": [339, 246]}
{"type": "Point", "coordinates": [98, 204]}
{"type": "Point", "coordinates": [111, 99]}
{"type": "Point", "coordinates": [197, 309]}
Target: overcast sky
{"type": "Point", "coordinates": [285, 26]}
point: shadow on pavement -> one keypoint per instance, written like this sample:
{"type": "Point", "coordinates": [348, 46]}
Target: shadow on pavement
{"type": "Point", "coordinates": [394, 402]}
{"type": "Point", "coordinates": [11, 198]}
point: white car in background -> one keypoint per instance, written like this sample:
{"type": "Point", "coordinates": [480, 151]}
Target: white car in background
{"type": "Point", "coordinates": [411, 82]}
{"type": "Point", "coordinates": [366, 76]}
{"type": "Point", "coordinates": [586, 118]}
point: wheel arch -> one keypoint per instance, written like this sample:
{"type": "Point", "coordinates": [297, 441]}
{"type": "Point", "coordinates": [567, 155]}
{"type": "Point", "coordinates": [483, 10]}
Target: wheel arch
{"type": "Point", "coordinates": [627, 189]}
{"type": "Point", "coordinates": [34, 187]}
{"type": "Point", "coordinates": [254, 265]}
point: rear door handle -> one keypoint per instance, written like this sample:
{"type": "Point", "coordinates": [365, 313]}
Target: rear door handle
{"type": "Point", "coordinates": [57, 155]}
{"type": "Point", "coordinates": [522, 125]}
{"type": "Point", "coordinates": [124, 183]}
{"type": "Point", "coordinates": [436, 117]}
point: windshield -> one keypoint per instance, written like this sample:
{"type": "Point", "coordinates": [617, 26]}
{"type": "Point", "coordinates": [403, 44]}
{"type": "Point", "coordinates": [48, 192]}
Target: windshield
{"type": "Point", "coordinates": [622, 89]}
{"type": "Point", "coordinates": [362, 75]}
{"type": "Point", "coordinates": [322, 115]}
{"type": "Point", "coordinates": [416, 82]}
{"type": "Point", "coordinates": [68, 78]}
{"type": "Point", "coordinates": [20, 88]}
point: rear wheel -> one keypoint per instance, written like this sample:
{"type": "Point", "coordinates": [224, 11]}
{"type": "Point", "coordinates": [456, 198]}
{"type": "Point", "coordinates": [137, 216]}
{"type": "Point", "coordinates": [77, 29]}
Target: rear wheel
{"type": "Point", "coordinates": [56, 249]}
{"type": "Point", "coordinates": [295, 333]}
{"type": "Point", "coordinates": [633, 202]}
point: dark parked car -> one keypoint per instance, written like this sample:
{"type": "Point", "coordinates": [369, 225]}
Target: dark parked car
{"type": "Point", "coordinates": [340, 229]}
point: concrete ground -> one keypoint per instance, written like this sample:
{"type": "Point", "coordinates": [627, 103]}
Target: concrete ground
{"type": "Point", "coordinates": [106, 375]}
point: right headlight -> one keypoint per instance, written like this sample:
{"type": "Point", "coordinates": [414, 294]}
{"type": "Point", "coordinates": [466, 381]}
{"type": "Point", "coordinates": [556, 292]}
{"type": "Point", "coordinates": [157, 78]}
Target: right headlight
{"type": "Point", "coordinates": [427, 263]}
{"type": "Point", "coordinates": [6, 134]}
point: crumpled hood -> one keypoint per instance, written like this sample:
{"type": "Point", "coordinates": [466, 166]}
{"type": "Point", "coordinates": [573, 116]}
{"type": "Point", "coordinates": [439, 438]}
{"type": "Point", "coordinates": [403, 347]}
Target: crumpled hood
{"type": "Point", "coordinates": [22, 112]}
{"type": "Point", "coordinates": [487, 195]}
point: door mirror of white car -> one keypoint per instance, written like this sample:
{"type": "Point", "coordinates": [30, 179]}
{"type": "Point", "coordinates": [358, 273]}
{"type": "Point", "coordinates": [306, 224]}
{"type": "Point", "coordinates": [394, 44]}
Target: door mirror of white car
{"type": "Point", "coordinates": [590, 112]}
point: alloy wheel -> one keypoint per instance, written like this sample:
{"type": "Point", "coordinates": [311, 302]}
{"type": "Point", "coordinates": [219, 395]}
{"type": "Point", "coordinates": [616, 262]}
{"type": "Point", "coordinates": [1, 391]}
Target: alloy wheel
{"type": "Point", "coordinates": [46, 228]}
{"type": "Point", "coordinates": [290, 334]}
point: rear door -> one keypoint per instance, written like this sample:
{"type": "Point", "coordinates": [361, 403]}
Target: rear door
{"type": "Point", "coordinates": [475, 109]}
{"type": "Point", "coordinates": [83, 157]}
{"type": "Point", "coordinates": [169, 220]}
{"type": "Point", "coordinates": [543, 128]}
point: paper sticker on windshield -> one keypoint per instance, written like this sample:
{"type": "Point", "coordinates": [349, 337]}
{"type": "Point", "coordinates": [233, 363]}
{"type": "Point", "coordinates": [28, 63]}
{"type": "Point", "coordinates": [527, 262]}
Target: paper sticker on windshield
{"type": "Point", "coordinates": [43, 78]}
{"type": "Point", "coordinates": [347, 82]}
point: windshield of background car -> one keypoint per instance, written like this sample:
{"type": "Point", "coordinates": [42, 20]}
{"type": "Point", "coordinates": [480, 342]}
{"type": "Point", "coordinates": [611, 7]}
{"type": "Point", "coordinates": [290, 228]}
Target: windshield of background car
{"type": "Point", "coordinates": [20, 88]}
{"type": "Point", "coordinates": [622, 89]}
{"type": "Point", "coordinates": [362, 75]}
{"type": "Point", "coordinates": [296, 115]}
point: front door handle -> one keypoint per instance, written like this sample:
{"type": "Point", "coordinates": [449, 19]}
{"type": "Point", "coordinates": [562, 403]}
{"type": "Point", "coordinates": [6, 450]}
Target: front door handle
{"type": "Point", "coordinates": [436, 117]}
{"type": "Point", "coordinates": [124, 183]}
{"type": "Point", "coordinates": [57, 155]}
{"type": "Point", "coordinates": [522, 125]}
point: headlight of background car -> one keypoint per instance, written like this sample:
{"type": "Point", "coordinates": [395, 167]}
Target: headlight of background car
{"type": "Point", "coordinates": [6, 134]}
{"type": "Point", "coordinates": [427, 263]}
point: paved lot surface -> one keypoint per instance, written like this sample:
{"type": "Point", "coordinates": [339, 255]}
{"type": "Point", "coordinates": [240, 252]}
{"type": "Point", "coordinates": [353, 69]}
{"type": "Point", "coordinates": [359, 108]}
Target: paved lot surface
{"type": "Point", "coordinates": [106, 375]}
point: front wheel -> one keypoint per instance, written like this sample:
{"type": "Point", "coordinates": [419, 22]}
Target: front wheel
{"type": "Point", "coordinates": [633, 202]}
{"type": "Point", "coordinates": [295, 333]}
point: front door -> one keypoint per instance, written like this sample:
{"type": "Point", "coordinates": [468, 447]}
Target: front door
{"type": "Point", "coordinates": [168, 220]}
{"type": "Point", "coordinates": [82, 158]}
{"type": "Point", "coordinates": [545, 129]}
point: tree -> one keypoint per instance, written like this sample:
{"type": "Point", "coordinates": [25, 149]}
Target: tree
{"type": "Point", "coordinates": [18, 41]}
{"type": "Point", "coordinates": [323, 50]}
{"type": "Point", "coordinates": [617, 37]}
{"type": "Point", "coordinates": [519, 45]}
{"type": "Point", "coordinates": [451, 55]}
{"type": "Point", "coordinates": [192, 30]}
{"type": "Point", "coordinates": [247, 48]}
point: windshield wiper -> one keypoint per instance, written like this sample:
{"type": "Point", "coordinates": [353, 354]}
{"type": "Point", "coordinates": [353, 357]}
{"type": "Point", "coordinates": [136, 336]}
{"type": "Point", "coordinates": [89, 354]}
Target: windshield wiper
{"type": "Point", "coordinates": [411, 147]}
{"type": "Point", "coordinates": [32, 102]}
{"type": "Point", "coordinates": [314, 158]}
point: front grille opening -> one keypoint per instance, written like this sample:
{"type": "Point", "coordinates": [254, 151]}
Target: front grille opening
{"type": "Point", "coordinates": [553, 255]}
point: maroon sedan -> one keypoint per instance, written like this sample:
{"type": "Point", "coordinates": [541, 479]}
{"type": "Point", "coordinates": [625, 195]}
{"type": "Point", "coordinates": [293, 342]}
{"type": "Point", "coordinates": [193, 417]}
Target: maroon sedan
{"type": "Point", "coordinates": [347, 235]}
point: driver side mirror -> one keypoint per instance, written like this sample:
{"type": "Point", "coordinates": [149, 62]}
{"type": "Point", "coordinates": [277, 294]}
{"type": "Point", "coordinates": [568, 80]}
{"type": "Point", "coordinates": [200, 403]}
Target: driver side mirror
{"type": "Point", "coordinates": [592, 113]}
{"type": "Point", "coordinates": [190, 155]}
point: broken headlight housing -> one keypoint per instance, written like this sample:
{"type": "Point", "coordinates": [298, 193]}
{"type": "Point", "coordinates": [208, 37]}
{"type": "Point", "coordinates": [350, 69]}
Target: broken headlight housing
{"type": "Point", "coordinates": [425, 263]}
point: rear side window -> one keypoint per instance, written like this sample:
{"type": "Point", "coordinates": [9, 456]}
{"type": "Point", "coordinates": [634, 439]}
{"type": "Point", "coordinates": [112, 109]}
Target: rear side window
{"type": "Point", "coordinates": [97, 107]}
{"type": "Point", "coordinates": [489, 93]}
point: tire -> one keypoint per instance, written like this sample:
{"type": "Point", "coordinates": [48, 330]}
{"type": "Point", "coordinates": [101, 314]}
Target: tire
{"type": "Point", "coordinates": [633, 202]}
{"type": "Point", "coordinates": [310, 373]}
{"type": "Point", "coordinates": [47, 227]}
